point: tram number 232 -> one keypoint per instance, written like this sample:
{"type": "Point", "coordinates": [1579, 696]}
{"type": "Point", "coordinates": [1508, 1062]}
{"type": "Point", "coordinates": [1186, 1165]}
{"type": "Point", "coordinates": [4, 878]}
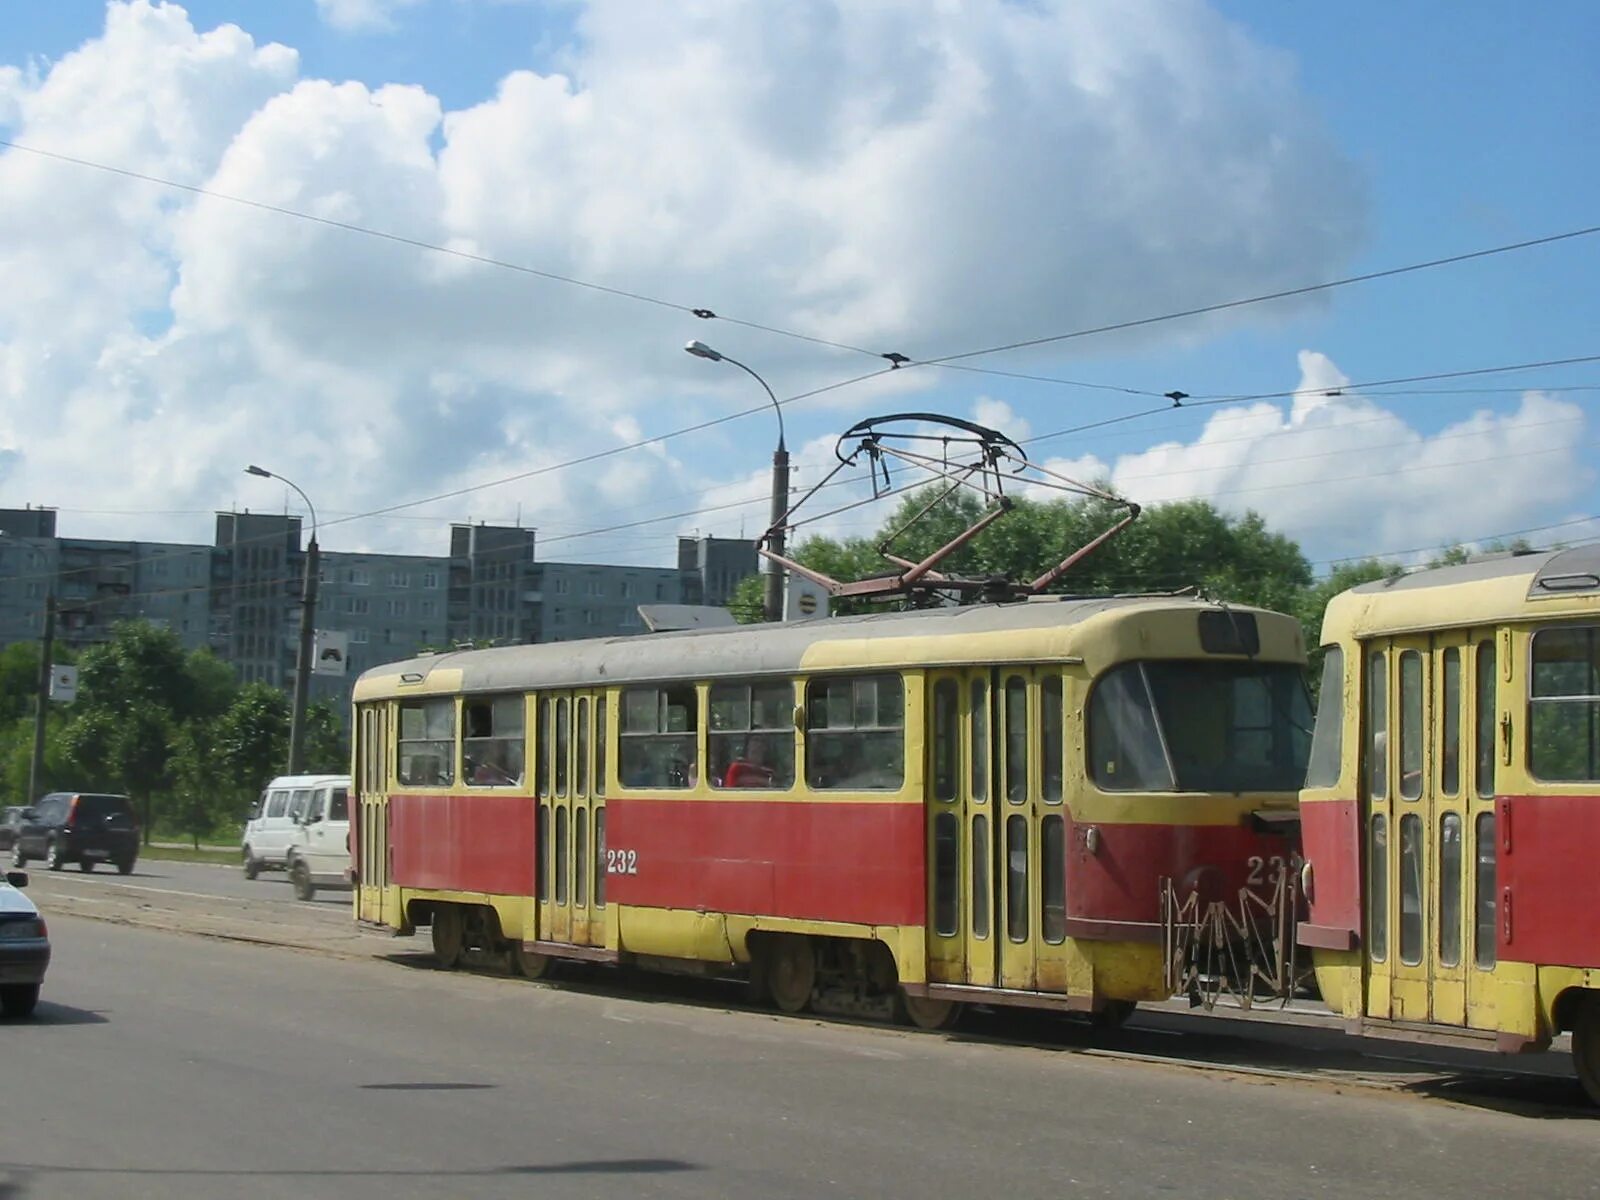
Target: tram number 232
{"type": "Point", "coordinates": [1269, 871]}
{"type": "Point", "coordinates": [622, 862]}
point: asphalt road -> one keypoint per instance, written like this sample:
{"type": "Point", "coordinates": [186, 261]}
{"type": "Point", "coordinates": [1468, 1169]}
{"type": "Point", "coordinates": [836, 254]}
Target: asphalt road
{"type": "Point", "coordinates": [1304, 1042]}
{"type": "Point", "coordinates": [168, 1065]}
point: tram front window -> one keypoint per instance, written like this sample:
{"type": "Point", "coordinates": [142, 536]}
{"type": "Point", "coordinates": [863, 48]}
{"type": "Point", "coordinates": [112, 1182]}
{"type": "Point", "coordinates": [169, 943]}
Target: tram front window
{"type": "Point", "coordinates": [1200, 726]}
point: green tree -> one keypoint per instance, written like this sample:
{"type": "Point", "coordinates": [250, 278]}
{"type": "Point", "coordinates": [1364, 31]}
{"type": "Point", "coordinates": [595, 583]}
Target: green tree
{"type": "Point", "coordinates": [251, 744]}
{"type": "Point", "coordinates": [135, 692]}
{"type": "Point", "coordinates": [199, 780]}
{"type": "Point", "coordinates": [1170, 546]}
{"type": "Point", "coordinates": [327, 746]}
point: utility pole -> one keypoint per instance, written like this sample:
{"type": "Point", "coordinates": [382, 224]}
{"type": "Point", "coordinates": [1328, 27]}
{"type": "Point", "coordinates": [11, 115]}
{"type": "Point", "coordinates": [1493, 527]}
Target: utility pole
{"type": "Point", "coordinates": [780, 507]}
{"type": "Point", "coordinates": [46, 652]}
{"type": "Point", "coordinates": [303, 664]}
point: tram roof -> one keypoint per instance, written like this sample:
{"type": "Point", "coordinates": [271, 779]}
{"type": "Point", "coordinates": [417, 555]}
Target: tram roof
{"type": "Point", "coordinates": [1510, 587]}
{"type": "Point", "coordinates": [1032, 630]}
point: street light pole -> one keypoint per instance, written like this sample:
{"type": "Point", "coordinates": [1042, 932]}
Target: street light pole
{"type": "Point", "coordinates": [773, 604]}
{"type": "Point", "coordinates": [308, 623]}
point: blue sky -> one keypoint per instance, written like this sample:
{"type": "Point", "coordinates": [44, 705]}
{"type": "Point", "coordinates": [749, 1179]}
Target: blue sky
{"type": "Point", "coordinates": [1406, 132]}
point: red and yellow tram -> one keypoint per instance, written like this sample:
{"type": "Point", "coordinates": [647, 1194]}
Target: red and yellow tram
{"type": "Point", "coordinates": [917, 809]}
{"type": "Point", "coordinates": [1451, 815]}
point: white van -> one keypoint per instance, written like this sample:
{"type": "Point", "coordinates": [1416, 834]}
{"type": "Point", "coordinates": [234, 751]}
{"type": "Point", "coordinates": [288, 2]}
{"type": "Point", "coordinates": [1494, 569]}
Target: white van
{"type": "Point", "coordinates": [275, 818]}
{"type": "Point", "coordinates": [319, 851]}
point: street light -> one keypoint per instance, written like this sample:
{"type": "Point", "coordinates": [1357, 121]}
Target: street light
{"type": "Point", "coordinates": [308, 611]}
{"type": "Point", "coordinates": [773, 607]}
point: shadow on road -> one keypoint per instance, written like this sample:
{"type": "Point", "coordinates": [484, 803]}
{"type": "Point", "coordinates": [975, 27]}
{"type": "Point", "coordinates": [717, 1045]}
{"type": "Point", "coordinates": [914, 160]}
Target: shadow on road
{"type": "Point", "coordinates": [1550, 1098]}
{"type": "Point", "coordinates": [56, 1014]}
{"type": "Point", "coordinates": [22, 1173]}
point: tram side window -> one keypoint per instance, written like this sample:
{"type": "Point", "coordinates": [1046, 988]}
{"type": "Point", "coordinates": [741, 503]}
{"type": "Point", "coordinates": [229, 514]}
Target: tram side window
{"type": "Point", "coordinates": [1564, 708]}
{"type": "Point", "coordinates": [1016, 728]}
{"type": "Point", "coordinates": [1327, 737]}
{"type": "Point", "coordinates": [1125, 748]}
{"type": "Point", "coordinates": [599, 765]}
{"type": "Point", "coordinates": [656, 745]}
{"type": "Point", "coordinates": [751, 736]}
{"type": "Point", "coordinates": [1450, 870]}
{"type": "Point", "coordinates": [1410, 725]}
{"type": "Point", "coordinates": [1483, 899]}
{"type": "Point", "coordinates": [541, 725]}
{"type": "Point", "coordinates": [1378, 889]}
{"type": "Point", "coordinates": [1377, 725]}
{"type": "Point", "coordinates": [1484, 726]}
{"type": "Point", "coordinates": [1450, 726]}
{"type": "Point", "coordinates": [1052, 739]}
{"type": "Point", "coordinates": [855, 733]}
{"type": "Point", "coordinates": [493, 748]}
{"type": "Point", "coordinates": [427, 747]}
{"type": "Point", "coordinates": [946, 738]}
{"type": "Point", "coordinates": [946, 874]}
{"type": "Point", "coordinates": [1411, 889]}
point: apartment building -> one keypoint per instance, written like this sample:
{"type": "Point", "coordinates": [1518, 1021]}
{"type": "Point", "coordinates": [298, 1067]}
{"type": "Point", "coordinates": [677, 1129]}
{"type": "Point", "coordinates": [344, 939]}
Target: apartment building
{"type": "Point", "coordinates": [241, 595]}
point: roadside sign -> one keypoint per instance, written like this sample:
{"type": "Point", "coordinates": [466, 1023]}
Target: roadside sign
{"type": "Point", "coordinates": [63, 684]}
{"type": "Point", "coordinates": [332, 652]}
{"type": "Point", "coordinates": [804, 600]}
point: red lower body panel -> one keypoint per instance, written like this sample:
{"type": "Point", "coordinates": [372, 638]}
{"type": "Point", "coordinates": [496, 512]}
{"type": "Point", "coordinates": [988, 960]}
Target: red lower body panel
{"type": "Point", "coordinates": [1330, 832]}
{"type": "Point", "coordinates": [1119, 880]}
{"type": "Point", "coordinates": [1549, 901]}
{"type": "Point", "coordinates": [481, 843]}
{"type": "Point", "coordinates": [860, 863]}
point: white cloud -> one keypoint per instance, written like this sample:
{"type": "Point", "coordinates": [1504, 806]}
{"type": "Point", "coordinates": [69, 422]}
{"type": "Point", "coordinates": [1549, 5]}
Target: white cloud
{"type": "Point", "coordinates": [896, 175]}
{"type": "Point", "coordinates": [363, 16]}
{"type": "Point", "coordinates": [1346, 476]}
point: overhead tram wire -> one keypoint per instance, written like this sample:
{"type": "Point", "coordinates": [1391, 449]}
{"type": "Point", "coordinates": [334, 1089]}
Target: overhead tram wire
{"type": "Point", "coordinates": [762, 499]}
{"type": "Point", "coordinates": [698, 311]}
{"type": "Point", "coordinates": [1264, 298]}
{"type": "Point", "coordinates": [584, 459]}
{"type": "Point", "coordinates": [659, 438]}
{"type": "Point", "coordinates": [897, 361]}
{"type": "Point", "coordinates": [1210, 401]}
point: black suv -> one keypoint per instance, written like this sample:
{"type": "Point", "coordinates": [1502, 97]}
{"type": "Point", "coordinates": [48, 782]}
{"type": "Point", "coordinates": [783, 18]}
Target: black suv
{"type": "Point", "coordinates": [78, 827]}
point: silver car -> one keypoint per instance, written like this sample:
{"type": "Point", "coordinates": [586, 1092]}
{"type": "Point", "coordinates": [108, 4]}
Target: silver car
{"type": "Point", "coordinates": [24, 948]}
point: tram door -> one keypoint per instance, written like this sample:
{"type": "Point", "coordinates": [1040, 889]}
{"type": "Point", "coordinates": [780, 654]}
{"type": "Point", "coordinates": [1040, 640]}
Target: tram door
{"type": "Point", "coordinates": [997, 919]}
{"type": "Point", "coordinates": [371, 809]}
{"type": "Point", "coordinates": [959, 850]}
{"type": "Point", "coordinates": [566, 819]}
{"type": "Point", "coordinates": [1417, 857]}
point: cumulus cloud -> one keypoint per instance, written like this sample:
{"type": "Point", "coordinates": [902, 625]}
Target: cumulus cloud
{"type": "Point", "coordinates": [363, 16]}
{"type": "Point", "coordinates": [897, 176]}
{"type": "Point", "coordinates": [1347, 476]}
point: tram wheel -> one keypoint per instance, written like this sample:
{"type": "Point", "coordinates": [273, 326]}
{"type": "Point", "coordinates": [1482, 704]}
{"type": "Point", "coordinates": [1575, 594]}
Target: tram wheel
{"type": "Point", "coordinates": [791, 972]}
{"type": "Point", "coordinates": [927, 1012]}
{"type": "Point", "coordinates": [528, 964]}
{"type": "Point", "coordinates": [1586, 1046]}
{"type": "Point", "coordinates": [449, 938]}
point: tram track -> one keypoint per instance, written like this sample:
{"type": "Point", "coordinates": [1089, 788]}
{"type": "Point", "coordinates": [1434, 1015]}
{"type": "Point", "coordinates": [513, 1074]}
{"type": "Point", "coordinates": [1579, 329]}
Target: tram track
{"type": "Point", "coordinates": [1295, 1044]}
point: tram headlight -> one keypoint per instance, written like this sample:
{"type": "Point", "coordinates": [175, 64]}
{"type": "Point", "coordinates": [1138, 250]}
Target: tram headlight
{"type": "Point", "coordinates": [1305, 879]}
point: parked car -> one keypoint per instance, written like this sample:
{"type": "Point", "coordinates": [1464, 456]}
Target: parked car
{"type": "Point", "coordinates": [24, 948]}
{"type": "Point", "coordinates": [319, 850]}
{"type": "Point", "coordinates": [10, 822]}
{"type": "Point", "coordinates": [82, 827]}
{"type": "Point", "coordinates": [276, 817]}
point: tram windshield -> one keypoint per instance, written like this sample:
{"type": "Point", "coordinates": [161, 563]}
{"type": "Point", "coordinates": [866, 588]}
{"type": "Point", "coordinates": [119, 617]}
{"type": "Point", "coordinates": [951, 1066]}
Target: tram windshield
{"type": "Point", "coordinates": [1200, 726]}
